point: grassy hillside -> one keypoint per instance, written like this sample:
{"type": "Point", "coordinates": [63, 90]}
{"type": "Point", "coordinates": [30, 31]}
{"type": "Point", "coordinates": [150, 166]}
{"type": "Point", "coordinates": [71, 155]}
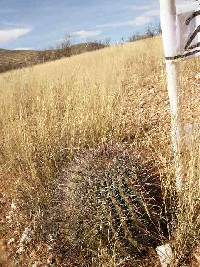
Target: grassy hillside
{"type": "Point", "coordinates": [65, 126]}
{"type": "Point", "coordinates": [11, 59]}
{"type": "Point", "coordinates": [16, 59]}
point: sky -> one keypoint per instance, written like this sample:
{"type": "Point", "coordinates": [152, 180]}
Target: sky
{"type": "Point", "coordinates": [40, 24]}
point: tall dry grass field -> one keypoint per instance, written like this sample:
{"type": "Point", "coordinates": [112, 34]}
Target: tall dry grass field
{"type": "Point", "coordinates": [54, 112]}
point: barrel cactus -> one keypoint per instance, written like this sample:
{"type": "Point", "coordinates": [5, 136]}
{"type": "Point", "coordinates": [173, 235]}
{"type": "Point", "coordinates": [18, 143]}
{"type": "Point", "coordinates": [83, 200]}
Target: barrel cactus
{"type": "Point", "coordinates": [113, 198]}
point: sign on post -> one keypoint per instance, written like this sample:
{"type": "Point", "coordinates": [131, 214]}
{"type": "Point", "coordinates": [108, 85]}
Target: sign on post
{"type": "Point", "coordinates": [180, 22]}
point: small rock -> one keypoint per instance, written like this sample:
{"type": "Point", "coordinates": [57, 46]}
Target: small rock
{"type": "Point", "coordinates": [197, 76]}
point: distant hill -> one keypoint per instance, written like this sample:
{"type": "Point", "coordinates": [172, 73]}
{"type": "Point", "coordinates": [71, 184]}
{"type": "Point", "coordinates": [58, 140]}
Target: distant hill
{"type": "Point", "coordinates": [14, 59]}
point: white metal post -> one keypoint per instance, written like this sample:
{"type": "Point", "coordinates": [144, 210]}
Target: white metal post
{"type": "Point", "coordinates": [172, 69]}
{"type": "Point", "coordinates": [168, 24]}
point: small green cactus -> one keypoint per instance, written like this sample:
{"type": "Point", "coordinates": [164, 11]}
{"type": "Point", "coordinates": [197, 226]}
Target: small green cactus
{"type": "Point", "coordinates": [113, 196]}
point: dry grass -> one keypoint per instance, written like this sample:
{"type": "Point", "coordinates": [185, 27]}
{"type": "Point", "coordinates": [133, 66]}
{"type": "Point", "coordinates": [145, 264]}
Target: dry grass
{"type": "Point", "coordinates": [50, 112]}
{"type": "Point", "coordinates": [16, 59]}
